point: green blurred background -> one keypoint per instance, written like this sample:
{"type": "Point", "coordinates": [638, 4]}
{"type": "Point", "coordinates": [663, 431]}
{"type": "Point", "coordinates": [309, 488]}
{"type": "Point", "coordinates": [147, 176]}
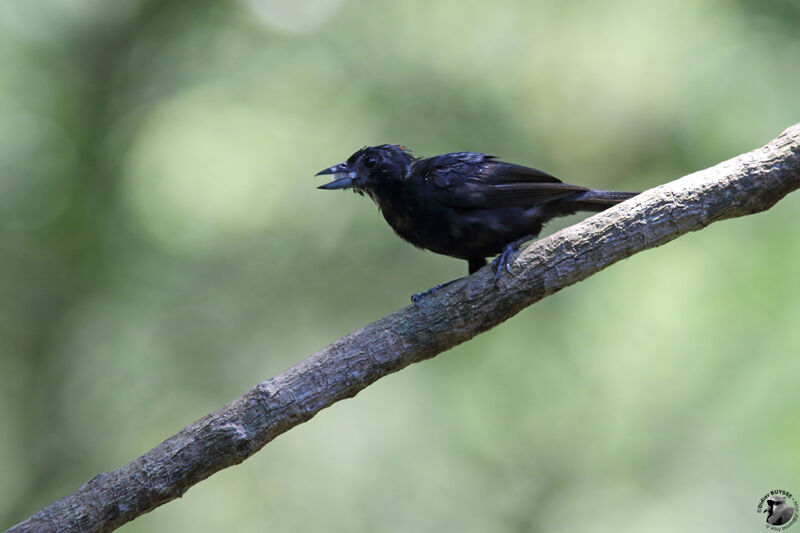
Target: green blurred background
{"type": "Point", "coordinates": [163, 248]}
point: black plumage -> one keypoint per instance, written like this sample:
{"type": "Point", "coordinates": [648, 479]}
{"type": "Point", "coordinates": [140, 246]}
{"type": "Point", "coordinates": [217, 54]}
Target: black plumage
{"type": "Point", "coordinates": [466, 205]}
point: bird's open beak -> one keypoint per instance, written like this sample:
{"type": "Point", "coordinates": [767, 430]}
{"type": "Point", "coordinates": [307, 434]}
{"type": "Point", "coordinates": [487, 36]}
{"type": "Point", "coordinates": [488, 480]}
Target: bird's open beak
{"type": "Point", "coordinates": [342, 177]}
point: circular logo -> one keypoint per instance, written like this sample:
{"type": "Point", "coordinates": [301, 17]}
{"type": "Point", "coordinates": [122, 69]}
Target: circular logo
{"type": "Point", "coordinates": [780, 506]}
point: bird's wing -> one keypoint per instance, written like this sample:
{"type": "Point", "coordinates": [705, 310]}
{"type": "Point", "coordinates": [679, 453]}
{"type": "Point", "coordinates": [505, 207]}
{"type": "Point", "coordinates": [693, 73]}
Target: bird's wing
{"type": "Point", "coordinates": [479, 181]}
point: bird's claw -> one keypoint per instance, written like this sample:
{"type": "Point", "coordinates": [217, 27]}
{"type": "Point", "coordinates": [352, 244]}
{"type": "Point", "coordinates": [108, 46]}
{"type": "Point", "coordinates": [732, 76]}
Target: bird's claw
{"type": "Point", "coordinates": [415, 298]}
{"type": "Point", "coordinates": [504, 260]}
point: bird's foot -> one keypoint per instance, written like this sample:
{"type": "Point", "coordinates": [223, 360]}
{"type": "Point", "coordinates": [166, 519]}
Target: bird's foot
{"type": "Point", "coordinates": [503, 261]}
{"type": "Point", "coordinates": [415, 299]}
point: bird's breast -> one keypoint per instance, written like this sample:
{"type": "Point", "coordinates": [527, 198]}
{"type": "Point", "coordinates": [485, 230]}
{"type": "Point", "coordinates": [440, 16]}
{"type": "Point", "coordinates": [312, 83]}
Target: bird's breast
{"type": "Point", "coordinates": [412, 218]}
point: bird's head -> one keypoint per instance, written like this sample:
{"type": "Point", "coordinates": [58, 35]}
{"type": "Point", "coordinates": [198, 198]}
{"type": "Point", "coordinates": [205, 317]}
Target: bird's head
{"type": "Point", "coordinates": [366, 169]}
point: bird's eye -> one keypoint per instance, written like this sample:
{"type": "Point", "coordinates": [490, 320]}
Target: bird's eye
{"type": "Point", "coordinates": [370, 162]}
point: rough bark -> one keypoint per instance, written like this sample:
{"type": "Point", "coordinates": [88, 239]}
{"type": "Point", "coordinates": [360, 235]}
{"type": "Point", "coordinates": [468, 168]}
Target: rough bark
{"type": "Point", "coordinates": [747, 184]}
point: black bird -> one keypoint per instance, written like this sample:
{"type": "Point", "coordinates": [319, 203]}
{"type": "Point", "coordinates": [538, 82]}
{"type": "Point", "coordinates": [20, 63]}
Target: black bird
{"type": "Point", "coordinates": [465, 204]}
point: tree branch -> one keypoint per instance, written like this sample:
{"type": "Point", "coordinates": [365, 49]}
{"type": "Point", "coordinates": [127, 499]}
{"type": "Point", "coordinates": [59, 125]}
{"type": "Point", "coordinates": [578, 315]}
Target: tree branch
{"type": "Point", "coordinates": [747, 184]}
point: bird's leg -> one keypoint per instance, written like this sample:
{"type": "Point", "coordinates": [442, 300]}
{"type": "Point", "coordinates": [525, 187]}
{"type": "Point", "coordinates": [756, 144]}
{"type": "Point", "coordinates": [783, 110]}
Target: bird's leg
{"type": "Point", "coordinates": [502, 260]}
{"type": "Point", "coordinates": [475, 264]}
{"type": "Point", "coordinates": [415, 298]}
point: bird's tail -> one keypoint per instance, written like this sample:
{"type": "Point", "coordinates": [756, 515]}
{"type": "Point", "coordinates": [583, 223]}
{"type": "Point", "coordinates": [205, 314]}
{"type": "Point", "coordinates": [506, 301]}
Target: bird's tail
{"type": "Point", "coordinates": [593, 200]}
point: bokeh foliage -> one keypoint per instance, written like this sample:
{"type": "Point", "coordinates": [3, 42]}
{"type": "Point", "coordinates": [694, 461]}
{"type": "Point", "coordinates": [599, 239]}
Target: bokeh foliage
{"type": "Point", "coordinates": [163, 249]}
